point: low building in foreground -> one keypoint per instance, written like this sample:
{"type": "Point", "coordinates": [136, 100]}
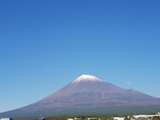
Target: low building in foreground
{"type": "Point", "coordinates": [6, 119]}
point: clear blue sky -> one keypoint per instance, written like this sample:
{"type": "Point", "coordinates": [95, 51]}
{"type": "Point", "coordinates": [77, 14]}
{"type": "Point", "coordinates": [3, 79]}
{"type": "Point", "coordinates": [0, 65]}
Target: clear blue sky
{"type": "Point", "coordinates": [45, 44]}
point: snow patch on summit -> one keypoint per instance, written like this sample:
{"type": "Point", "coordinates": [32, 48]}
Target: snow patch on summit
{"type": "Point", "coordinates": [86, 77]}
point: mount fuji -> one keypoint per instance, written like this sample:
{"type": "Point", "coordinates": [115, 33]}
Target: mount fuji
{"type": "Point", "coordinates": [89, 95]}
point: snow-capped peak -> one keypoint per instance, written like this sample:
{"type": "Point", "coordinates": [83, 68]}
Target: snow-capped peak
{"type": "Point", "coordinates": [87, 77]}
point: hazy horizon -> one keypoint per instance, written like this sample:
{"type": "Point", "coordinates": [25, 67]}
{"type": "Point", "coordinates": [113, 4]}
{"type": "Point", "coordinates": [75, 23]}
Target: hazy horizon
{"type": "Point", "coordinates": [44, 45]}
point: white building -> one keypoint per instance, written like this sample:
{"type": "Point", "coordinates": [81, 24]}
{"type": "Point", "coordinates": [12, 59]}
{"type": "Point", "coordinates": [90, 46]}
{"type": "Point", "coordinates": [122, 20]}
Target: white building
{"type": "Point", "coordinates": [118, 118]}
{"type": "Point", "coordinates": [5, 119]}
{"type": "Point", "coordinates": [146, 116]}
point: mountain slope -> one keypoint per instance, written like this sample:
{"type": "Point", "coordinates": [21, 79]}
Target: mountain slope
{"type": "Point", "coordinates": [87, 95]}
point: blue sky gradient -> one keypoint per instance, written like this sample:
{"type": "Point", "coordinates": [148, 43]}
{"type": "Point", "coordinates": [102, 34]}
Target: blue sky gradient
{"type": "Point", "coordinates": [45, 44]}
